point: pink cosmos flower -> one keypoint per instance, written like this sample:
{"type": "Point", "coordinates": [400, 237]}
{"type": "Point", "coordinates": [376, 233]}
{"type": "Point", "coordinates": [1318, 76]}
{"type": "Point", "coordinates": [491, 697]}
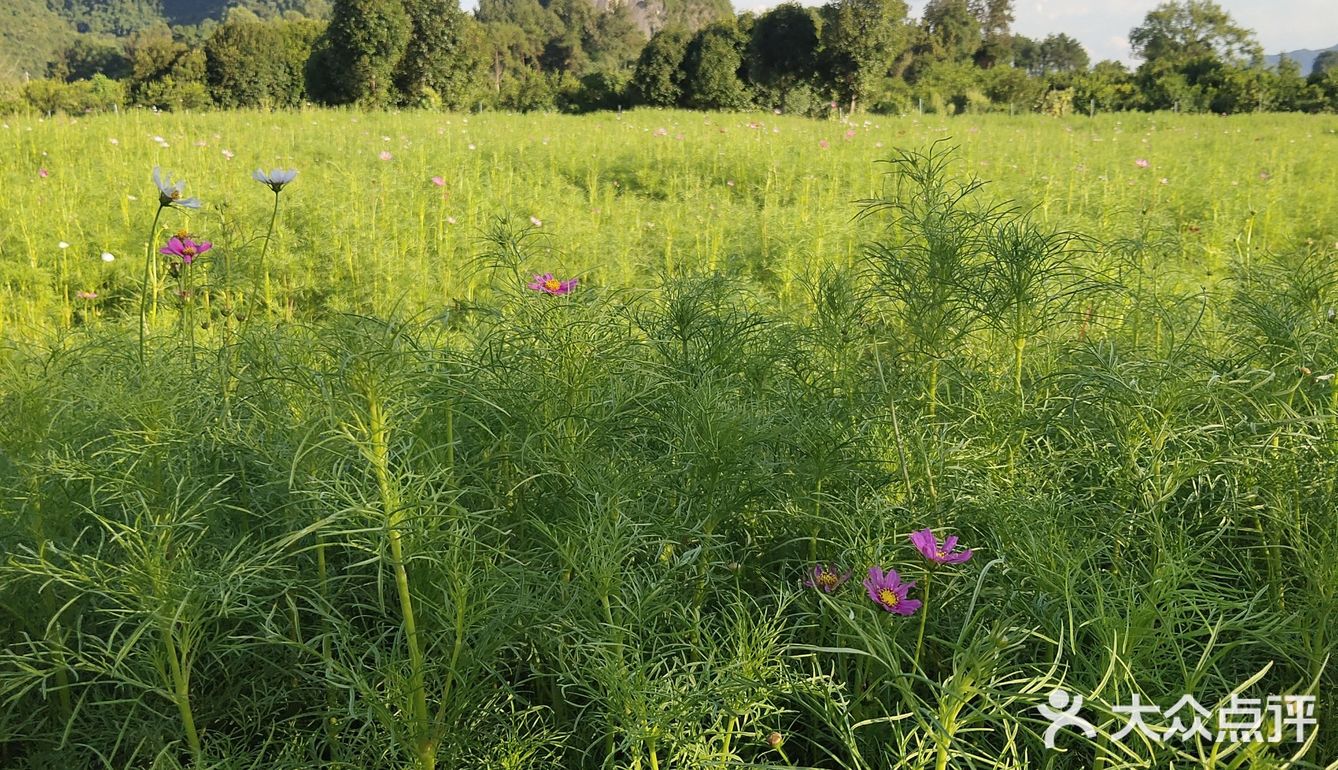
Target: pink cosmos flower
{"type": "Point", "coordinates": [385, 155]}
{"type": "Point", "coordinates": [850, 133]}
{"type": "Point", "coordinates": [536, 221]}
{"type": "Point", "coordinates": [823, 144]}
{"type": "Point", "coordinates": [43, 173]}
{"type": "Point", "coordinates": [438, 181]}
{"type": "Point", "coordinates": [547, 284]}
{"type": "Point", "coordinates": [888, 592]}
{"type": "Point", "coordinates": [826, 578]}
{"type": "Point", "coordinates": [185, 249]}
{"type": "Point", "coordinates": [1142, 163]}
{"type": "Point", "coordinates": [939, 553]}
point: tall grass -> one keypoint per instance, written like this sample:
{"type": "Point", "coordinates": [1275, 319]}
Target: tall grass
{"type": "Point", "coordinates": [473, 525]}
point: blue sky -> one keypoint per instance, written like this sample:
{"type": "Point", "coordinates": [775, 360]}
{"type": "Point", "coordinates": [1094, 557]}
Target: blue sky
{"type": "Point", "coordinates": [1103, 25]}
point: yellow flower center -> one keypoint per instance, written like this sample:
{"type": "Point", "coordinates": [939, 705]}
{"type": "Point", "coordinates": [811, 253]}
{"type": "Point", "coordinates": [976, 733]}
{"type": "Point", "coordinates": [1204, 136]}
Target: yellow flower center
{"type": "Point", "coordinates": [189, 251]}
{"type": "Point", "coordinates": [552, 284]}
{"type": "Point", "coordinates": [941, 554]}
{"type": "Point", "coordinates": [828, 580]}
{"type": "Point", "coordinates": [183, 233]}
{"type": "Point", "coordinates": [888, 597]}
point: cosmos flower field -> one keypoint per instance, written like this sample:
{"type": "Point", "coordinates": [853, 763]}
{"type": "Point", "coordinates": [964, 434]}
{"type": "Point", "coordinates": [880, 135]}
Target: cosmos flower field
{"type": "Point", "coordinates": [667, 440]}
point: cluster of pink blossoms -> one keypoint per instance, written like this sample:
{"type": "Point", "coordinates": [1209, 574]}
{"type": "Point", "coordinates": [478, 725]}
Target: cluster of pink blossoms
{"type": "Point", "coordinates": [886, 588]}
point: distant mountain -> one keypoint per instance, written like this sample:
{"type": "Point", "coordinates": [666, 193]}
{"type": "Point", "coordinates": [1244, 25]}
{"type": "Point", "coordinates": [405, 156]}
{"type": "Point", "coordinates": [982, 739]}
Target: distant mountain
{"type": "Point", "coordinates": [1304, 57]}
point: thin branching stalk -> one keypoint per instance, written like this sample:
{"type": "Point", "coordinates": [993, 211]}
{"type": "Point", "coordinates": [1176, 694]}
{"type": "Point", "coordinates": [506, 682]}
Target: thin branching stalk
{"type": "Point", "coordinates": [144, 286]}
{"type": "Point", "coordinates": [378, 450]}
{"type": "Point", "coordinates": [262, 270]}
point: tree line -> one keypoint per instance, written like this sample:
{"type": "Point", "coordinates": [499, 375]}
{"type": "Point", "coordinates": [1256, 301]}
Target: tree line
{"type": "Point", "coordinates": [570, 55]}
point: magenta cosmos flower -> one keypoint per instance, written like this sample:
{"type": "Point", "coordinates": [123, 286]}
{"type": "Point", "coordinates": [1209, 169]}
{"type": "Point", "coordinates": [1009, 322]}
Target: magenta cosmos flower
{"type": "Point", "coordinates": [939, 553]}
{"type": "Point", "coordinates": [185, 249]}
{"type": "Point", "coordinates": [547, 284]}
{"type": "Point", "coordinates": [826, 577]}
{"type": "Point", "coordinates": [888, 592]}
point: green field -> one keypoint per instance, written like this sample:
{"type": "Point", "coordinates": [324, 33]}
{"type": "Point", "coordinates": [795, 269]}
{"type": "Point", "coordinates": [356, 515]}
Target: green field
{"type": "Point", "coordinates": [347, 493]}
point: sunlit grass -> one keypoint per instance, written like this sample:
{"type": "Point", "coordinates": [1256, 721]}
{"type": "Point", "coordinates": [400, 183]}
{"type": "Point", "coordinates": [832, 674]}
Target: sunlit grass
{"type": "Point", "coordinates": [379, 503]}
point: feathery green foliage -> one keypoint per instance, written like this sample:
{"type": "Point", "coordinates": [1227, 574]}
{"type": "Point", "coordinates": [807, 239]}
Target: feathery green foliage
{"type": "Point", "coordinates": [401, 510]}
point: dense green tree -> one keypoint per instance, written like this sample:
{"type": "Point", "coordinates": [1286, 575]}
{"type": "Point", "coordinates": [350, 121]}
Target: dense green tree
{"type": "Point", "coordinates": [97, 94]}
{"type": "Point", "coordinates": [614, 41]}
{"type": "Point", "coordinates": [783, 50]}
{"type": "Point", "coordinates": [437, 67]}
{"type": "Point", "coordinates": [530, 15]}
{"type": "Point", "coordinates": [1325, 61]}
{"type": "Point", "coordinates": [1176, 33]}
{"type": "Point", "coordinates": [1195, 57]}
{"type": "Point", "coordinates": [996, 24]}
{"type": "Point", "coordinates": [1011, 86]}
{"type": "Point", "coordinates": [1108, 86]}
{"type": "Point", "coordinates": [259, 64]}
{"type": "Point", "coordinates": [1325, 84]}
{"type": "Point", "coordinates": [166, 72]}
{"type": "Point", "coordinates": [952, 87]}
{"type": "Point", "coordinates": [1061, 53]}
{"type": "Point", "coordinates": [1288, 89]}
{"type": "Point", "coordinates": [89, 55]}
{"type": "Point", "coordinates": [354, 62]}
{"type": "Point", "coordinates": [1026, 54]}
{"type": "Point", "coordinates": [951, 31]}
{"type": "Point", "coordinates": [860, 41]}
{"type": "Point", "coordinates": [658, 78]}
{"type": "Point", "coordinates": [604, 90]}
{"type": "Point", "coordinates": [711, 69]}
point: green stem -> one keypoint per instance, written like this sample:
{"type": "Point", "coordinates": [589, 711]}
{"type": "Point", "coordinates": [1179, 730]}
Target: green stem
{"type": "Point", "coordinates": [187, 309]}
{"type": "Point", "coordinates": [896, 424]}
{"type": "Point", "coordinates": [456, 649]}
{"type": "Point", "coordinates": [262, 274]}
{"type": "Point", "coordinates": [729, 738]}
{"type": "Point", "coordinates": [181, 690]}
{"type": "Point", "coordinates": [933, 388]}
{"type": "Point", "coordinates": [817, 527]}
{"type": "Point", "coordinates": [322, 576]}
{"type": "Point", "coordinates": [1018, 345]}
{"type": "Point", "coordinates": [144, 286]}
{"type": "Point", "coordinates": [380, 455]}
{"type": "Point", "coordinates": [924, 614]}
